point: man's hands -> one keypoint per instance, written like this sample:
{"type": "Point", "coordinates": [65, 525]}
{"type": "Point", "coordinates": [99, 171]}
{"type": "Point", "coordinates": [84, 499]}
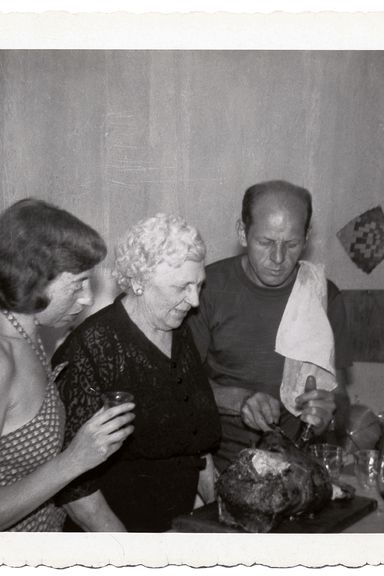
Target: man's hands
{"type": "Point", "coordinates": [259, 411]}
{"type": "Point", "coordinates": [317, 406]}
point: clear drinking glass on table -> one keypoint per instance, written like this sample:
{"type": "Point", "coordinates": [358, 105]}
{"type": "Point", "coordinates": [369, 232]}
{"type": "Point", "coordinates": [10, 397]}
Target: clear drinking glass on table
{"type": "Point", "coordinates": [380, 484]}
{"type": "Point", "coordinates": [367, 472]}
{"type": "Point", "coordinates": [331, 456]}
{"type": "Point", "coordinates": [366, 468]}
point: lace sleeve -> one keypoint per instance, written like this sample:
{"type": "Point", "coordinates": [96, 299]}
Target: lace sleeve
{"type": "Point", "coordinates": [80, 388]}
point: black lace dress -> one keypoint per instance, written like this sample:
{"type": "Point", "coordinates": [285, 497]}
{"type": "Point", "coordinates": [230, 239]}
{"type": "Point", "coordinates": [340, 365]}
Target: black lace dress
{"type": "Point", "coordinates": [153, 477]}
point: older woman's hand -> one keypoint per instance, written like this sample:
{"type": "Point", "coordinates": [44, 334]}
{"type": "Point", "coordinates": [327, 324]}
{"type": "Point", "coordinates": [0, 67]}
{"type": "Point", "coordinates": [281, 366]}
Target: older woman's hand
{"type": "Point", "coordinates": [100, 436]}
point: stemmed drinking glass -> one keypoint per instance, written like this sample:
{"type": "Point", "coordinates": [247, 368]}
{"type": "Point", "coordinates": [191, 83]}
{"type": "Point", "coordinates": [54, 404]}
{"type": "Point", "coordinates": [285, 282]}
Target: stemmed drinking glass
{"type": "Point", "coordinates": [380, 485]}
{"type": "Point", "coordinates": [369, 471]}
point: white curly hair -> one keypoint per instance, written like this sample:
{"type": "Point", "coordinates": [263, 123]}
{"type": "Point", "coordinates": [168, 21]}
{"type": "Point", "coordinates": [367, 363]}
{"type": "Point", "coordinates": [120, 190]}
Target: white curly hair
{"type": "Point", "coordinates": [161, 238]}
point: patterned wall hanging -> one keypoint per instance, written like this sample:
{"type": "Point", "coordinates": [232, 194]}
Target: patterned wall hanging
{"type": "Point", "coordinates": [363, 239]}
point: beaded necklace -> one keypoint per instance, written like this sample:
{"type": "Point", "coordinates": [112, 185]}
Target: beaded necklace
{"type": "Point", "coordinates": [38, 348]}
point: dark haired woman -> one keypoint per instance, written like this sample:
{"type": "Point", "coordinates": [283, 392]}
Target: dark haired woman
{"type": "Point", "coordinates": [46, 256]}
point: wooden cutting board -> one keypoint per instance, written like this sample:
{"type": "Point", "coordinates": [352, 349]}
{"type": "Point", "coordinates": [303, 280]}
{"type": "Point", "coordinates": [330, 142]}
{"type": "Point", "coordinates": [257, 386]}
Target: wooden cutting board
{"type": "Point", "coordinates": [335, 517]}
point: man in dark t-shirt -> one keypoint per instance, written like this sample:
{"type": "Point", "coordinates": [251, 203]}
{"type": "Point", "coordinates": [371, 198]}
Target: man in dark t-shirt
{"type": "Point", "coordinates": [241, 307]}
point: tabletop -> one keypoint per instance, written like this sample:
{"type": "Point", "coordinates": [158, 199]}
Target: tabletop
{"type": "Point", "coordinates": [357, 516]}
{"type": "Point", "coordinates": [373, 523]}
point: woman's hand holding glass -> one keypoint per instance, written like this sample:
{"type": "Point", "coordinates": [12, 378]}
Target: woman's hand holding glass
{"type": "Point", "coordinates": [101, 436]}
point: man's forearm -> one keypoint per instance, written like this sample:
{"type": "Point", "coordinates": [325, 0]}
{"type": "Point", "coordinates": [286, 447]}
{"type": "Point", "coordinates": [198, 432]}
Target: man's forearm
{"type": "Point", "coordinates": [229, 399]}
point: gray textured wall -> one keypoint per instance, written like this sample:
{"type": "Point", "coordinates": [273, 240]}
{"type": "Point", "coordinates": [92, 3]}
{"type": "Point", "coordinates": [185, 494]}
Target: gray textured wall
{"type": "Point", "coordinates": [117, 135]}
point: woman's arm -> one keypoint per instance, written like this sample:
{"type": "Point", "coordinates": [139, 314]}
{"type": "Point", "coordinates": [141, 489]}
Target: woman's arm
{"type": "Point", "coordinates": [207, 477]}
{"type": "Point", "coordinates": [7, 371]}
{"type": "Point", "coordinates": [96, 440]}
{"type": "Point", "coordinates": [93, 514]}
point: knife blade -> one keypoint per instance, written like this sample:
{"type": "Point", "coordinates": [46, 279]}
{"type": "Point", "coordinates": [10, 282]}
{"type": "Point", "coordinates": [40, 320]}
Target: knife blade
{"type": "Point", "coordinates": [308, 430]}
{"type": "Point", "coordinates": [305, 437]}
{"type": "Point", "coordinates": [278, 428]}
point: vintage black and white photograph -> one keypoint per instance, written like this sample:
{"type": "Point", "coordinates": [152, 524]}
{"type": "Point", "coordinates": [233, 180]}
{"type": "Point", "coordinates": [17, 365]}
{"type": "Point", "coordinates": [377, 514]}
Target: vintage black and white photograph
{"type": "Point", "coordinates": [191, 293]}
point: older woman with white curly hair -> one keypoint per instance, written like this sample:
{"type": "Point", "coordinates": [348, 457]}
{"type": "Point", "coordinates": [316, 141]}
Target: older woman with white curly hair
{"type": "Point", "coordinates": [141, 344]}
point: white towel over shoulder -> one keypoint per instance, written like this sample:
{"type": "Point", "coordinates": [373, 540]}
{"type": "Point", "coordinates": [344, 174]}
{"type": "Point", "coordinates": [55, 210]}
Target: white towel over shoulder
{"type": "Point", "coordinates": [305, 336]}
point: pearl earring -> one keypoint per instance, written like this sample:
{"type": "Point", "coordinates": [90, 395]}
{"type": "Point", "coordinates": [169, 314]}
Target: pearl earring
{"type": "Point", "coordinates": [139, 292]}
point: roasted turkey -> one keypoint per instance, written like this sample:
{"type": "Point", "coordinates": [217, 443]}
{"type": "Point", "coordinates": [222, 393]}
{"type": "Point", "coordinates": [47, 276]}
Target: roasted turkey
{"type": "Point", "coordinates": [274, 481]}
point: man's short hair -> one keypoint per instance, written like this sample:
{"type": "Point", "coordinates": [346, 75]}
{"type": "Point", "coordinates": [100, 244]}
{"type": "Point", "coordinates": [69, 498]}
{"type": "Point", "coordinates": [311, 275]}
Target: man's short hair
{"type": "Point", "coordinates": [270, 187]}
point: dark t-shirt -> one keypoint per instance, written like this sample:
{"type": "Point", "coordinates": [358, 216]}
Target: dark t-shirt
{"type": "Point", "coordinates": [153, 477]}
{"type": "Point", "coordinates": [235, 330]}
